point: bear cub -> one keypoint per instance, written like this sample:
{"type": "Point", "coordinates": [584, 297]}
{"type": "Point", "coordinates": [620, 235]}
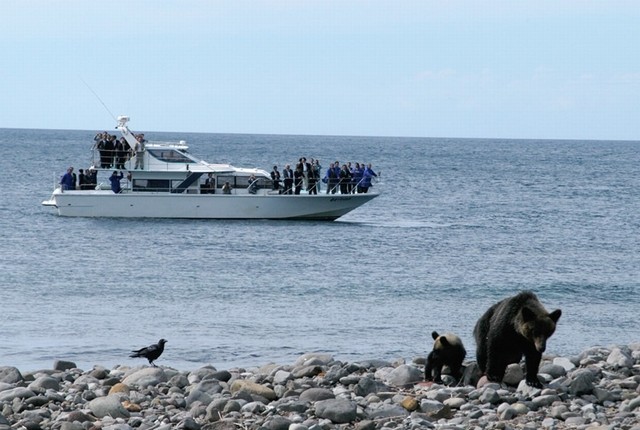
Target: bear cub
{"type": "Point", "coordinates": [511, 328]}
{"type": "Point", "coordinates": [447, 351]}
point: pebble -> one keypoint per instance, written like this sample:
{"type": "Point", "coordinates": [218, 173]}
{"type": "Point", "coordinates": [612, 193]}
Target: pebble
{"type": "Point", "coordinates": [596, 390]}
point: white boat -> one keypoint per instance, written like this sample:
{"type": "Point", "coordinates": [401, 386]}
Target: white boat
{"type": "Point", "coordinates": [171, 184]}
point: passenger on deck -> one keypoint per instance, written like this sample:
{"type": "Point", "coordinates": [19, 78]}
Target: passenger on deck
{"type": "Point", "coordinates": [226, 188]}
{"type": "Point", "coordinates": [209, 184]}
{"type": "Point", "coordinates": [253, 184]}
{"type": "Point", "coordinates": [317, 168]}
{"type": "Point", "coordinates": [110, 150]}
{"type": "Point", "coordinates": [275, 177]}
{"type": "Point", "coordinates": [298, 179]}
{"type": "Point", "coordinates": [101, 146]}
{"type": "Point", "coordinates": [121, 153]}
{"type": "Point", "coordinates": [140, 151]}
{"type": "Point", "coordinates": [345, 179]}
{"type": "Point", "coordinates": [115, 182]}
{"type": "Point", "coordinates": [331, 179]}
{"type": "Point", "coordinates": [288, 179]}
{"type": "Point", "coordinates": [367, 177]}
{"type": "Point", "coordinates": [313, 181]}
{"type": "Point", "coordinates": [67, 182]}
{"type": "Point", "coordinates": [357, 177]}
{"type": "Point", "coordinates": [91, 179]}
{"type": "Point", "coordinates": [82, 179]}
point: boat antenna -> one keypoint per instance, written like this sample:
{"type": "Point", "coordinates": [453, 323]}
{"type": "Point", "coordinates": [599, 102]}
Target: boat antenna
{"type": "Point", "coordinates": [99, 99]}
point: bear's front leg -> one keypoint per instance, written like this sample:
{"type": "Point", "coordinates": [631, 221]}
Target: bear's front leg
{"type": "Point", "coordinates": [495, 370]}
{"type": "Point", "coordinates": [532, 360]}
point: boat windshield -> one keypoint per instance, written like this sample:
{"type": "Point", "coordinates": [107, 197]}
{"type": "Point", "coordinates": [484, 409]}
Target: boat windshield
{"type": "Point", "coordinates": [170, 156]}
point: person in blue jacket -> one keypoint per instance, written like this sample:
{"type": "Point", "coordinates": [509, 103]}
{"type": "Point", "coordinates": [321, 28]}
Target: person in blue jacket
{"type": "Point", "coordinates": [366, 178]}
{"type": "Point", "coordinates": [67, 182]}
{"type": "Point", "coordinates": [115, 182]}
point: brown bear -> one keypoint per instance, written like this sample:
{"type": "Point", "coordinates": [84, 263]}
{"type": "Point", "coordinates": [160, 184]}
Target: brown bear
{"type": "Point", "coordinates": [510, 328]}
{"type": "Point", "coordinates": [448, 350]}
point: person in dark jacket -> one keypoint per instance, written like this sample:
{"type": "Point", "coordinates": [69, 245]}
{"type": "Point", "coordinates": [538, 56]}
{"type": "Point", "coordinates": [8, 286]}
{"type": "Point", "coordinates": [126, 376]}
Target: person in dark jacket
{"type": "Point", "coordinates": [345, 179]}
{"type": "Point", "coordinates": [332, 179]}
{"type": "Point", "coordinates": [288, 179]}
{"type": "Point", "coordinates": [115, 182]}
{"type": "Point", "coordinates": [275, 178]}
{"type": "Point", "coordinates": [298, 179]}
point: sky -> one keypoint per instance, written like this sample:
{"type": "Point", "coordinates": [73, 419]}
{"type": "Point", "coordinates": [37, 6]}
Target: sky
{"type": "Point", "coordinates": [543, 69]}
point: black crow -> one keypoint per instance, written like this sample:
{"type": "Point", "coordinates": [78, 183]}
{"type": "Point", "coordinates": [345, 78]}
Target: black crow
{"type": "Point", "coordinates": [151, 352]}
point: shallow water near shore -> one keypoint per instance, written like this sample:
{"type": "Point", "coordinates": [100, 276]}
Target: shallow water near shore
{"type": "Point", "coordinates": [461, 224]}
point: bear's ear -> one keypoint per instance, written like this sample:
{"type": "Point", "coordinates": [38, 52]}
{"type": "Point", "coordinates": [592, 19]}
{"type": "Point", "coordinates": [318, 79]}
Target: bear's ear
{"type": "Point", "coordinates": [444, 342]}
{"type": "Point", "coordinates": [555, 315]}
{"type": "Point", "coordinates": [434, 335]}
{"type": "Point", "coordinates": [528, 314]}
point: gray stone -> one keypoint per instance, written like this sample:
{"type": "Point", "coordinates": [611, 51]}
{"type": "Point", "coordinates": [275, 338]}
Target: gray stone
{"type": "Point", "coordinates": [197, 395]}
{"type": "Point", "coordinates": [339, 411]}
{"type": "Point", "coordinates": [429, 406]}
{"type": "Point", "coordinates": [307, 371]}
{"type": "Point", "coordinates": [209, 386]}
{"type": "Point", "coordinates": [220, 375]}
{"type": "Point", "coordinates": [582, 382]}
{"type": "Point", "coordinates": [252, 388]}
{"type": "Point", "coordinates": [489, 395]}
{"type": "Point", "coordinates": [365, 425]}
{"type": "Point", "coordinates": [541, 401]}
{"type": "Point", "coordinates": [16, 393]}
{"type": "Point", "coordinates": [277, 423]}
{"type": "Point", "coordinates": [79, 416]}
{"type": "Point", "coordinates": [313, 359]}
{"type": "Point", "coordinates": [527, 390]}
{"type": "Point", "coordinates": [404, 375]}
{"type": "Point", "coordinates": [281, 377]}
{"type": "Point", "coordinates": [513, 375]}
{"type": "Point", "coordinates": [201, 373]}
{"type": "Point", "coordinates": [565, 363]}
{"type": "Point", "coordinates": [574, 422]}
{"type": "Point", "coordinates": [316, 394]}
{"type": "Point", "coordinates": [554, 370]}
{"type": "Point", "coordinates": [383, 410]}
{"type": "Point", "coordinates": [10, 375]}
{"type": "Point", "coordinates": [508, 413]}
{"type": "Point", "coordinates": [45, 383]}
{"type": "Point", "coordinates": [455, 402]}
{"type": "Point", "coordinates": [108, 406]}
{"type": "Point", "coordinates": [149, 376]}
{"type": "Point", "coordinates": [634, 404]}
{"type": "Point", "coordinates": [71, 426]}
{"type": "Point", "coordinates": [471, 375]}
{"type": "Point", "coordinates": [179, 381]}
{"type": "Point", "coordinates": [368, 385]}
{"type": "Point", "coordinates": [620, 358]}
{"type": "Point", "coordinates": [254, 407]}
{"type": "Point", "coordinates": [62, 365]}
{"type": "Point", "coordinates": [189, 424]}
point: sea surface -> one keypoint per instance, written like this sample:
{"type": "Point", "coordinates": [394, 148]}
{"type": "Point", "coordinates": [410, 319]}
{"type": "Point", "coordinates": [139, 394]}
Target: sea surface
{"type": "Point", "coordinates": [460, 224]}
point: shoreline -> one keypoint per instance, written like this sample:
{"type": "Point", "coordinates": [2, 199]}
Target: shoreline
{"type": "Point", "coordinates": [596, 389]}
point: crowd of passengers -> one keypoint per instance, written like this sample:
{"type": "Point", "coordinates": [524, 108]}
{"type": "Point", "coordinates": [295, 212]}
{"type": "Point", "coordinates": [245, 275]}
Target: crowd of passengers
{"type": "Point", "coordinates": [84, 180]}
{"type": "Point", "coordinates": [115, 152]}
{"type": "Point", "coordinates": [346, 178]}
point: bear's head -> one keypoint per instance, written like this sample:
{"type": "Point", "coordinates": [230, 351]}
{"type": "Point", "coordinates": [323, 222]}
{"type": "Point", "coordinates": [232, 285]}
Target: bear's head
{"type": "Point", "coordinates": [445, 342]}
{"type": "Point", "coordinates": [537, 328]}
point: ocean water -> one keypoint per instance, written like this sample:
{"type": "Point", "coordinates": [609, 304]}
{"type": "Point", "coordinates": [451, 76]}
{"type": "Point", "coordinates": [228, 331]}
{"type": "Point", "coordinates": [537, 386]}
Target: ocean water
{"type": "Point", "coordinates": [460, 224]}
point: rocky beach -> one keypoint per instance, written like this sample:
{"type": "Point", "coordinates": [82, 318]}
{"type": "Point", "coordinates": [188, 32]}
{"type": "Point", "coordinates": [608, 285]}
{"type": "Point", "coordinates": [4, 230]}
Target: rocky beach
{"type": "Point", "coordinates": [597, 389]}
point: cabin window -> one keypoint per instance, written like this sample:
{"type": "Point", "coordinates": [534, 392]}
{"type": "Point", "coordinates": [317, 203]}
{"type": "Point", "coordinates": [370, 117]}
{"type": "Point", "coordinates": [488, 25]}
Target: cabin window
{"type": "Point", "coordinates": [151, 185]}
{"type": "Point", "coordinates": [169, 156]}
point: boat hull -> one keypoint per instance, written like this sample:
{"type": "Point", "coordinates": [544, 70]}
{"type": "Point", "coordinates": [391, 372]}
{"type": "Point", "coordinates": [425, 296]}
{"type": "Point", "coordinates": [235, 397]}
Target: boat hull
{"type": "Point", "coordinates": [102, 203]}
